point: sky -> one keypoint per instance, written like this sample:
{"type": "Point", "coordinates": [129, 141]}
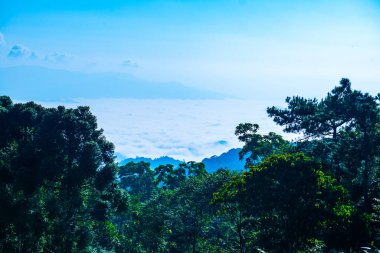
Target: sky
{"type": "Point", "coordinates": [255, 50]}
{"type": "Point", "coordinates": [232, 46]}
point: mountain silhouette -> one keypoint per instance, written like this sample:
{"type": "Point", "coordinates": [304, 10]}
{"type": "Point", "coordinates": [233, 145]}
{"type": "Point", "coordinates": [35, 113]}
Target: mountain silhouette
{"type": "Point", "coordinates": [228, 160]}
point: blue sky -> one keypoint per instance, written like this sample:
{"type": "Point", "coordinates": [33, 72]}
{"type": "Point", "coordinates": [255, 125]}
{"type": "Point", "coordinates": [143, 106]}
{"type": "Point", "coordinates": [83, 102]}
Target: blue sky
{"type": "Point", "coordinates": [237, 47]}
{"type": "Point", "coordinates": [258, 50]}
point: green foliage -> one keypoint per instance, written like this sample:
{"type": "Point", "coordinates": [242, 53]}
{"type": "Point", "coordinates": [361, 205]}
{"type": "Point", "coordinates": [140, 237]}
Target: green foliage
{"type": "Point", "coordinates": [138, 179]}
{"type": "Point", "coordinates": [342, 133]}
{"type": "Point", "coordinates": [60, 190]}
{"type": "Point", "coordinates": [285, 199]}
{"type": "Point", "coordinates": [256, 146]}
{"type": "Point", "coordinates": [57, 175]}
{"type": "Point", "coordinates": [316, 118]}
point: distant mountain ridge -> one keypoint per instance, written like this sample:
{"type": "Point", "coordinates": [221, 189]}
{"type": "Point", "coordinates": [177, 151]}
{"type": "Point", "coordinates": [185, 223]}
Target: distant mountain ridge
{"type": "Point", "coordinates": [155, 162]}
{"type": "Point", "coordinates": [228, 160]}
{"type": "Point", "coordinates": [40, 83]}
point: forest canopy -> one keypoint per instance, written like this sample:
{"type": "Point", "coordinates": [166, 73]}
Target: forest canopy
{"type": "Point", "coordinates": [62, 191]}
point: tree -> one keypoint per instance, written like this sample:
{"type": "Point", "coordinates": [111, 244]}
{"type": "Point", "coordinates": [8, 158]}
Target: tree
{"type": "Point", "coordinates": [57, 170]}
{"type": "Point", "coordinates": [343, 113]}
{"type": "Point", "coordinates": [138, 179]}
{"type": "Point", "coordinates": [233, 209]}
{"type": "Point", "coordinates": [169, 177]}
{"type": "Point", "coordinates": [341, 131]}
{"type": "Point", "coordinates": [316, 118]}
{"type": "Point", "coordinates": [287, 199]}
{"type": "Point", "coordinates": [256, 146]}
{"type": "Point", "coordinates": [193, 220]}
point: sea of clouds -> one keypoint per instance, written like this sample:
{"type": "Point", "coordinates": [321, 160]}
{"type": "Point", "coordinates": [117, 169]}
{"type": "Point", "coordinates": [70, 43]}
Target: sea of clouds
{"type": "Point", "coordinates": [182, 129]}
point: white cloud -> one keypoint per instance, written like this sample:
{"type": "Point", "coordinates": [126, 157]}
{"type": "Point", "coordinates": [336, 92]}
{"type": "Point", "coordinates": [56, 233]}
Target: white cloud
{"type": "Point", "coordinates": [58, 57]}
{"type": "Point", "coordinates": [129, 63]}
{"type": "Point", "coordinates": [20, 51]}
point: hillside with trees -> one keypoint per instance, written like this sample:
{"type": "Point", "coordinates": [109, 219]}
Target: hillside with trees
{"type": "Point", "coordinates": [61, 190]}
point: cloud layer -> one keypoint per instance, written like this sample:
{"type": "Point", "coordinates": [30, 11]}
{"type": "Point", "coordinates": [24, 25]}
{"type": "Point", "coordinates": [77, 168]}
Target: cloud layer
{"type": "Point", "coordinates": [182, 129]}
{"type": "Point", "coordinates": [20, 51]}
